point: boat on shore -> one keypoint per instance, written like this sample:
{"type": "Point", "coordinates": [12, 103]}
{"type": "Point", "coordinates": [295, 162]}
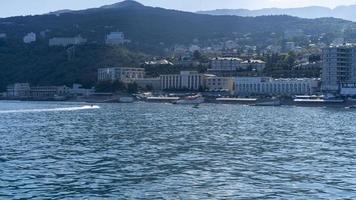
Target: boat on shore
{"type": "Point", "coordinates": [315, 100]}
{"type": "Point", "coordinates": [162, 99]}
{"type": "Point", "coordinates": [191, 100]}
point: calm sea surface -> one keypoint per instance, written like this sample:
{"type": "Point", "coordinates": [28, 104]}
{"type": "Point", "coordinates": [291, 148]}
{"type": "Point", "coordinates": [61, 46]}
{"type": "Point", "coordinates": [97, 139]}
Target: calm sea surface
{"type": "Point", "coordinates": [162, 151]}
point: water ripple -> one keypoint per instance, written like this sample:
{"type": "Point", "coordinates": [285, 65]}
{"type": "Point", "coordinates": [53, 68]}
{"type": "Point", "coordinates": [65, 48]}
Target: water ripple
{"type": "Point", "coordinates": [161, 151]}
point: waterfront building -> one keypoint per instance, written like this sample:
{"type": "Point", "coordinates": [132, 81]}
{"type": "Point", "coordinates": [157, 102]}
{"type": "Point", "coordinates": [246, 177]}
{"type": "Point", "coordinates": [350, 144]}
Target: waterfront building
{"type": "Point", "coordinates": [338, 67]}
{"type": "Point", "coordinates": [267, 86]}
{"type": "Point", "coordinates": [213, 83]}
{"type": "Point", "coordinates": [67, 41]}
{"type": "Point", "coordinates": [24, 90]}
{"type": "Point", "coordinates": [186, 80]}
{"type": "Point", "coordinates": [44, 92]}
{"type": "Point", "coordinates": [115, 38]}
{"type": "Point", "coordinates": [123, 74]}
{"type": "Point", "coordinates": [153, 83]}
{"type": "Point", "coordinates": [29, 38]}
{"type": "Point", "coordinates": [20, 90]}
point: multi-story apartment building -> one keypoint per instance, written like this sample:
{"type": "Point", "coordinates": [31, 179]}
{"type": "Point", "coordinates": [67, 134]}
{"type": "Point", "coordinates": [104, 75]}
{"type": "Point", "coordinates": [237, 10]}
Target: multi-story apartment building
{"type": "Point", "coordinates": [225, 64]}
{"type": "Point", "coordinates": [250, 86]}
{"type": "Point", "coordinates": [338, 67]}
{"type": "Point", "coordinates": [123, 74]}
{"type": "Point", "coordinates": [215, 83]}
{"type": "Point", "coordinates": [232, 66]}
{"type": "Point", "coordinates": [192, 80]}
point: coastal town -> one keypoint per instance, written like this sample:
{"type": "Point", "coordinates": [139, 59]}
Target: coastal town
{"type": "Point", "coordinates": [178, 99]}
{"type": "Point", "coordinates": [221, 82]}
{"type": "Point", "coordinates": [319, 74]}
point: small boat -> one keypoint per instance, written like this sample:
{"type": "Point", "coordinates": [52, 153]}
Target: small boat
{"type": "Point", "coordinates": [189, 100]}
{"type": "Point", "coordinates": [126, 99]}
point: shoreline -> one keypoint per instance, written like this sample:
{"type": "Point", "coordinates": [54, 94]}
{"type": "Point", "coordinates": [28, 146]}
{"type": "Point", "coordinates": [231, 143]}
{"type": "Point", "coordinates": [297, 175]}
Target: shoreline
{"type": "Point", "coordinates": [283, 103]}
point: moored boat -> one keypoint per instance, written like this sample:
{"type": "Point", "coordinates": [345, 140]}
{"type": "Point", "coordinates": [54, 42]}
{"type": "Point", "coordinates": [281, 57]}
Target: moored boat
{"type": "Point", "coordinates": [315, 100]}
{"type": "Point", "coordinates": [189, 100]}
{"type": "Point", "coordinates": [162, 99]}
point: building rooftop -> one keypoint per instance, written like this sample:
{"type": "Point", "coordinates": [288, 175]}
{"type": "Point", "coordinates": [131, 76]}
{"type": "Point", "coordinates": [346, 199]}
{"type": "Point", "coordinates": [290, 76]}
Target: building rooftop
{"type": "Point", "coordinates": [345, 45]}
{"type": "Point", "coordinates": [227, 58]}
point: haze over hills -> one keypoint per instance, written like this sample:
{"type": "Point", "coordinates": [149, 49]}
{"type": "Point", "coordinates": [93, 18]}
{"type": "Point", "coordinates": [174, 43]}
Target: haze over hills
{"type": "Point", "coordinates": [151, 30]}
{"type": "Point", "coordinates": [311, 12]}
{"type": "Point", "coordinates": [151, 26]}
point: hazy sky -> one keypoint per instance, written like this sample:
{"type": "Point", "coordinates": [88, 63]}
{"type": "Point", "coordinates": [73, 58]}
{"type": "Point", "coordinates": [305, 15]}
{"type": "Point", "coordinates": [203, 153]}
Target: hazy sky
{"type": "Point", "coordinates": [26, 7]}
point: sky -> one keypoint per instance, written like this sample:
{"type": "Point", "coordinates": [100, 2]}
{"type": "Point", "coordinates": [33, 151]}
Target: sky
{"type": "Point", "coordinates": [31, 7]}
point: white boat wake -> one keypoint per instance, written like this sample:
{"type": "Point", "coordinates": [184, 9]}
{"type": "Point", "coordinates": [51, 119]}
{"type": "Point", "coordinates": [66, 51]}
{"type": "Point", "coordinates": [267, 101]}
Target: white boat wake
{"type": "Point", "coordinates": [50, 109]}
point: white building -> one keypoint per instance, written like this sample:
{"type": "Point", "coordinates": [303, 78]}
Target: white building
{"type": "Point", "coordinates": [66, 41]}
{"type": "Point", "coordinates": [225, 64]}
{"type": "Point", "coordinates": [338, 67]}
{"type": "Point", "coordinates": [123, 74]}
{"type": "Point", "coordinates": [44, 92]}
{"type": "Point", "coordinates": [186, 80]}
{"type": "Point", "coordinates": [266, 86]}
{"type": "Point", "coordinates": [18, 90]}
{"type": "Point", "coordinates": [29, 38]}
{"type": "Point", "coordinates": [24, 90]}
{"type": "Point", "coordinates": [115, 38]}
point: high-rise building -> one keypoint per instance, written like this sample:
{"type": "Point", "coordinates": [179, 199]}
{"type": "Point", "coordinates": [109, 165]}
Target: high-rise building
{"type": "Point", "coordinates": [338, 67]}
